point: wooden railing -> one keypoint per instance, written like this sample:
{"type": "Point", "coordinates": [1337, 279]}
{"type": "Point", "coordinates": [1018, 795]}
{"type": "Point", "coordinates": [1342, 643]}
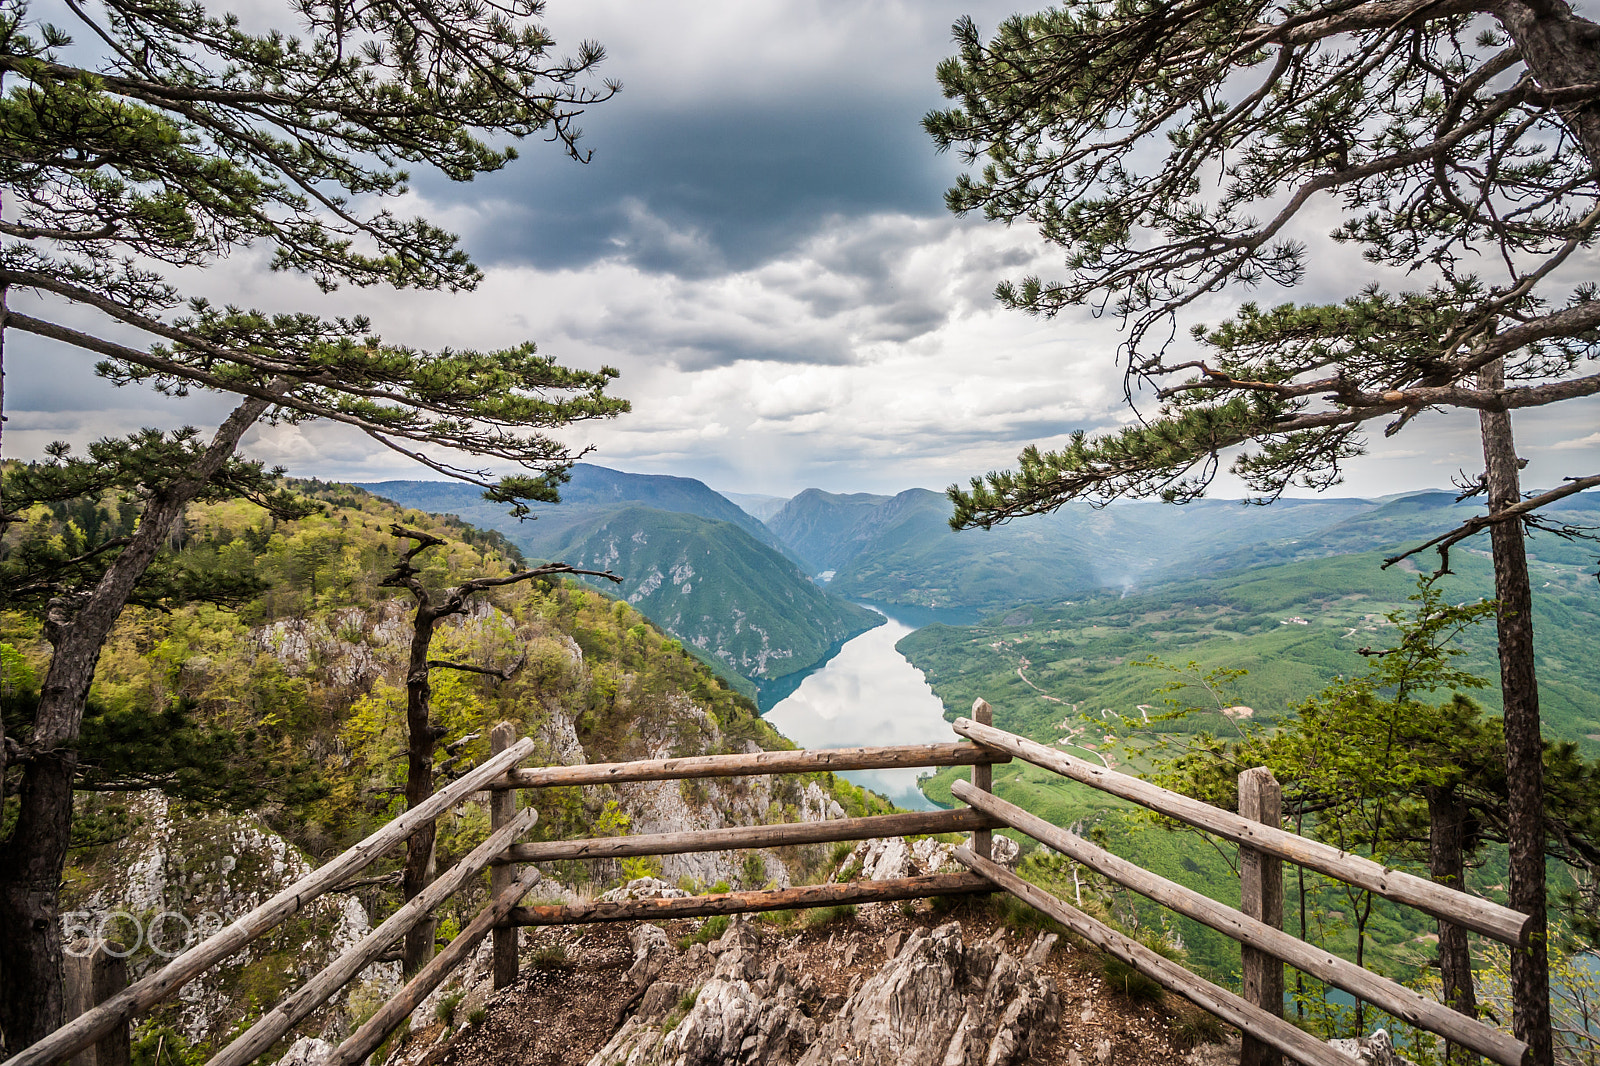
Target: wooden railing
{"type": "Point", "coordinates": [1260, 1021]}
{"type": "Point", "coordinates": [1258, 1014]}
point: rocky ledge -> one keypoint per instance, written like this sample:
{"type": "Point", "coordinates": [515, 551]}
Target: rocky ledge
{"type": "Point", "coordinates": [886, 984]}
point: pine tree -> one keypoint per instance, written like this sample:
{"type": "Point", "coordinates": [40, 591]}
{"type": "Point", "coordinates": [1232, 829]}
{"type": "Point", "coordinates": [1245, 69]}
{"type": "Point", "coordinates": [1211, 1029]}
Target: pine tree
{"type": "Point", "coordinates": [422, 732]}
{"type": "Point", "coordinates": [167, 136]}
{"type": "Point", "coordinates": [1172, 151]}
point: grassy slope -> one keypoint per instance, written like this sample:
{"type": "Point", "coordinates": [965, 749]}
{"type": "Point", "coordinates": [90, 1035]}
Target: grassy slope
{"type": "Point", "coordinates": [1088, 653]}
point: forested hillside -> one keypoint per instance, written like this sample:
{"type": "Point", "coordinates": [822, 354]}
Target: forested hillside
{"type": "Point", "coordinates": [226, 749]}
{"type": "Point", "coordinates": [1086, 676]}
{"type": "Point", "coordinates": [690, 560]}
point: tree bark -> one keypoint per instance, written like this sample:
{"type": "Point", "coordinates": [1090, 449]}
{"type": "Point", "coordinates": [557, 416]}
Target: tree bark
{"type": "Point", "coordinates": [1560, 50]}
{"type": "Point", "coordinates": [1530, 970]}
{"type": "Point", "coordinates": [31, 860]}
{"type": "Point", "coordinates": [422, 737]}
{"type": "Point", "coordinates": [1447, 817]}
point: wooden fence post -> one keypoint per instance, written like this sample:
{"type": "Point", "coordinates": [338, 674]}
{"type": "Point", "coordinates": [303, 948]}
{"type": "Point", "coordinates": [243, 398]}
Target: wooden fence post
{"type": "Point", "coordinates": [1261, 897]}
{"type": "Point", "coordinates": [983, 780]}
{"type": "Point", "coordinates": [503, 808]}
{"type": "Point", "coordinates": [94, 972]}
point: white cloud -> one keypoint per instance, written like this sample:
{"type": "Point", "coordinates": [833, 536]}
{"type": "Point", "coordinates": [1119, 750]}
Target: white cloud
{"type": "Point", "coordinates": [1591, 441]}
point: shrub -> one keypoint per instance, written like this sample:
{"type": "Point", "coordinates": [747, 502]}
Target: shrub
{"type": "Point", "coordinates": [709, 930]}
{"type": "Point", "coordinates": [551, 956]}
{"type": "Point", "coordinates": [445, 1009]}
{"type": "Point", "coordinates": [821, 916]}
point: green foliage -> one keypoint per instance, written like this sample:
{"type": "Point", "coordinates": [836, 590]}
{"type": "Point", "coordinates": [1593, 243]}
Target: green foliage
{"type": "Point", "coordinates": [157, 1044]}
{"type": "Point", "coordinates": [264, 707]}
{"type": "Point", "coordinates": [685, 1004]}
{"type": "Point", "coordinates": [644, 866]}
{"type": "Point", "coordinates": [445, 1009]}
{"type": "Point", "coordinates": [690, 561]}
{"type": "Point", "coordinates": [551, 956]}
{"type": "Point", "coordinates": [817, 917]}
{"type": "Point", "coordinates": [1238, 119]}
{"type": "Point", "coordinates": [710, 929]}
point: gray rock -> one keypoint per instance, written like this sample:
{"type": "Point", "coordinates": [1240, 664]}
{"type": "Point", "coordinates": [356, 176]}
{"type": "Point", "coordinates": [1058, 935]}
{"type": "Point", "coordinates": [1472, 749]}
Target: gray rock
{"type": "Point", "coordinates": [651, 953]}
{"type": "Point", "coordinates": [643, 888]}
{"type": "Point", "coordinates": [735, 1019]}
{"type": "Point", "coordinates": [1005, 851]}
{"type": "Point", "coordinates": [942, 1003]}
{"type": "Point", "coordinates": [1374, 1050]}
{"type": "Point", "coordinates": [938, 1002]}
{"type": "Point", "coordinates": [307, 1051]}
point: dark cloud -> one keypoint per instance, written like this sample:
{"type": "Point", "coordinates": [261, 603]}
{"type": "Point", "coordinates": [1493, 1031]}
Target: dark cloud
{"type": "Point", "coordinates": [701, 192]}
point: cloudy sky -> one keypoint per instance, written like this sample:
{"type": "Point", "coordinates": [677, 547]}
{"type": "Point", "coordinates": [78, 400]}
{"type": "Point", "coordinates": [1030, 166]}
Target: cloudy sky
{"type": "Point", "coordinates": [760, 246]}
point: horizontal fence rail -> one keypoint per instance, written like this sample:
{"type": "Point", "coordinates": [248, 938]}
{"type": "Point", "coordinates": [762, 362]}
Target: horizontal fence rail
{"type": "Point", "coordinates": [1398, 1000]}
{"type": "Point", "coordinates": [1480, 915]}
{"type": "Point", "coordinates": [808, 896]}
{"type": "Point", "coordinates": [511, 882]}
{"type": "Point", "coordinates": [1246, 1017]}
{"type": "Point", "coordinates": [140, 996]}
{"type": "Point", "coordinates": [761, 762]}
{"type": "Point", "coordinates": [754, 836]}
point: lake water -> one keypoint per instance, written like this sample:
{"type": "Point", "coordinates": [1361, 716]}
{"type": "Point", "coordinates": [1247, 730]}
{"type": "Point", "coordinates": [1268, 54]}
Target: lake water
{"type": "Point", "coordinates": [867, 694]}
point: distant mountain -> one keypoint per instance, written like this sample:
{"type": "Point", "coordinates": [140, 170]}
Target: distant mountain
{"type": "Point", "coordinates": [740, 603]}
{"type": "Point", "coordinates": [757, 506]}
{"type": "Point", "coordinates": [900, 550]}
{"type": "Point", "coordinates": [826, 529]}
{"type": "Point", "coordinates": [592, 488]}
{"type": "Point", "coordinates": [748, 608]}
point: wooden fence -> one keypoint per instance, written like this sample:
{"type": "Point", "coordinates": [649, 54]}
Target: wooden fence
{"type": "Point", "coordinates": [1257, 927]}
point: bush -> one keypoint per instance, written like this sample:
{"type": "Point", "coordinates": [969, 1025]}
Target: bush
{"type": "Point", "coordinates": [552, 956]}
{"type": "Point", "coordinates": [709, 930]}
{"type": "Point", "coordinates": [821, 916]}
{"type": "Point", "coordinates": [445, 1009]}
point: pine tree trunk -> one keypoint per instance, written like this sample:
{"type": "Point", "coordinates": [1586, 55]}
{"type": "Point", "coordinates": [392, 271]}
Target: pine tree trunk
{"type": "Point", "coordinates": [33, 857]}
{"type": "Point", "coordinates": [1530, 971]}
{"type": "Point", "coordinates": [1447, 864]}
{"type": "Point", "coordinates": [421, 738]}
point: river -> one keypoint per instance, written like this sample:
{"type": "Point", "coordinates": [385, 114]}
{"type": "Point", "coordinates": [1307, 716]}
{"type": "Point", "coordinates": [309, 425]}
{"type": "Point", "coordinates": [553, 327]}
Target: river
{"type": "Point", "coordinates": [867, 694]}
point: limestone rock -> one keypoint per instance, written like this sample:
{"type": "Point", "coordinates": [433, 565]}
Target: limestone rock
{"type": "Point", "coordinates": [736, 1018]}
{"type": "Point", "coordinates": [937, 1002]}
{"type": "Point", "coordinates": [1374, 1050]}
{"type": "Point", "coordinates": [307, 1051]}
{"type": "Point", "coordinates": [940, 1002]}
{"type": "Point", "coordinates": [643, 888]}
{"type": "Point", "coordinates": [892, 857]}
{"type": "Point", "coordinates": [651, 950]}
{"type": "Point", "coordinates": [1005, 851]}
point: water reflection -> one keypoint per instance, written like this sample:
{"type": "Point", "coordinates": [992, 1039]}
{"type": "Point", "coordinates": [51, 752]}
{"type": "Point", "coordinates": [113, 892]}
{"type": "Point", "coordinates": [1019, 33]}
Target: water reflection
{"type": "Point", "coordinates": [868, 694]}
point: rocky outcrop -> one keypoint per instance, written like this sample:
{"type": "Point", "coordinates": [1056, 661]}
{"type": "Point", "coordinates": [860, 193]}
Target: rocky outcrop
{"type": "Point", "coordinates": [1374, 1050]}
{"type": "Point", "coordinates": [886, 858]}
{"type": "Point", "coordinates": [936, 1002]}
{"type": "Point", "coordinates": [181, 874]}
{"type": "Point", "coordinates": [940, 1002]}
